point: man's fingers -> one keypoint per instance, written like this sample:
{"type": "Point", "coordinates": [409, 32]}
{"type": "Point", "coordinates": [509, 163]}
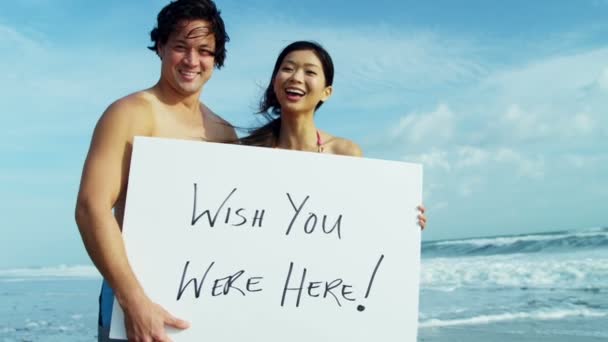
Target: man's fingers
{"type": "Point", "coordinates": [162, 337]}
{"type": "Point", "coordinates": [175, 322]}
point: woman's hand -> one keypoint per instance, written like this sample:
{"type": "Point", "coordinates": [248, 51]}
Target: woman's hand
{"type": "Point", "coordinates": [421, 217]}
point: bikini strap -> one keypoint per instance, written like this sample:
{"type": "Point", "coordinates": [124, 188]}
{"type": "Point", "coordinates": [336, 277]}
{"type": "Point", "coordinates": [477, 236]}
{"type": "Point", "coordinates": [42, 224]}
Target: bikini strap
{"type": "Point", "coordinates": [319, 142]}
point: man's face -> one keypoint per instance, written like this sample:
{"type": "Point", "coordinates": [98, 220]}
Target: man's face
{"type": "Point", "coordinates": [188, 57]}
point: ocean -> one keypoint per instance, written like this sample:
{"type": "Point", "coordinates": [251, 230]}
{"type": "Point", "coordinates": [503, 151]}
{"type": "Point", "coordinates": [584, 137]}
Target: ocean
{"type": "Point", "coordinates": [534, 287]}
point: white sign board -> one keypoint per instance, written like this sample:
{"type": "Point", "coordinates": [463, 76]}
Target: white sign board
{"type": "Point", "coordinates": [262, 244]}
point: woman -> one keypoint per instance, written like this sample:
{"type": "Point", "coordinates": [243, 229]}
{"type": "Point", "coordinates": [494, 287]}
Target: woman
{"type": "Point", "coordinates": [301, 81]}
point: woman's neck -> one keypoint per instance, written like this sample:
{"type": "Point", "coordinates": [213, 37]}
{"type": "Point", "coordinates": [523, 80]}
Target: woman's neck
{"type": "Point", "coordinates": [298, 132]}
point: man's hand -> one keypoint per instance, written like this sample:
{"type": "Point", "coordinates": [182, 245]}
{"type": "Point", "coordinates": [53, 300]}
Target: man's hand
{"type": "Point", "coordinates": [145, 321]}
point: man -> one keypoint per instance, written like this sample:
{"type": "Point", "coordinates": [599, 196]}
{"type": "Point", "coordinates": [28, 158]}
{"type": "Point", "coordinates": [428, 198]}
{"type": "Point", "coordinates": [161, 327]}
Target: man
{"type": "Point", "coordinates": [190, 40]}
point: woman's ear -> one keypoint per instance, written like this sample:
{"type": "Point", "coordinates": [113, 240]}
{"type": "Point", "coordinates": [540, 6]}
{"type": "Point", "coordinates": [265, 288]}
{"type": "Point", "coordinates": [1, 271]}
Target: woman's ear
{"type": "Point", "coordinates": [327, 93]}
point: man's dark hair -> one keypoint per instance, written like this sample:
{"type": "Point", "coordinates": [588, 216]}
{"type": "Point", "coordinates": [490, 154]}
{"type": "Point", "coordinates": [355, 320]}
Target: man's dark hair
{"type": "Point", "coordinates": [177, 11]}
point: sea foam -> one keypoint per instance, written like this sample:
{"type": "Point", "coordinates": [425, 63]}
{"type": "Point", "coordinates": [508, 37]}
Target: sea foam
{"type": "Point", "coordinates": [46, 273]}
{"type": "Point", "coordinates": [565, 241]}
{"type": "Point", "coordinates": [503, 317]}
{"type": "Point", "coordinates": [571, 271]}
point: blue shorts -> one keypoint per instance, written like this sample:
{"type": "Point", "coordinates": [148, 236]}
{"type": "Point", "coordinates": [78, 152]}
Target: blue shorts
{"type": "Point", "coordinates": [106, 301]}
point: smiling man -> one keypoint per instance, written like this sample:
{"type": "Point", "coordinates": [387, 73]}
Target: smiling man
{"type": "Point", "coordinates": [190, 40]}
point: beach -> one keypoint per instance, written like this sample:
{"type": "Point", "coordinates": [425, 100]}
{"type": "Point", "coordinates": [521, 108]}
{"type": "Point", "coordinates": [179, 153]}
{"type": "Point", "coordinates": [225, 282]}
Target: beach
{"type": "Point", "coordinates": [535, 287]}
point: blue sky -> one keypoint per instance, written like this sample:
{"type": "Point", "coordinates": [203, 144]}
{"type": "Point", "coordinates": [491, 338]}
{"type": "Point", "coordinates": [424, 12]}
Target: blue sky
{"type": "Point", "coordinates": [505, 104]}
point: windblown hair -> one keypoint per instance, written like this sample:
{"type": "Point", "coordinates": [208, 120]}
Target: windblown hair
{"type": "Point", "coordinates": [268, 134]}
{"type": "Point", "coordinates": [177, 11]}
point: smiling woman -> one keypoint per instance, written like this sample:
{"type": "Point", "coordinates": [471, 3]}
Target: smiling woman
{"type": "Point", "coordinates": [302, 80]}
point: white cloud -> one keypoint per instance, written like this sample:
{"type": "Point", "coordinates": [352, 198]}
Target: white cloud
{"type": "Point", "coordinates": [532, 168]}
{"type": "Point", "coordinates": [519, 123]}
{"type": "Point", "coordinates": [582, 124]}
{"type": "Point", "coordinates": [435, 207]}
{"type": "Point", "coordinates": [578, 162]}
{"type": "Point", "coordinates": [432, 190]}
{"type": "Point", "coordinates": [602, 80]}
{"type": "Point", "coordinates": [17, 43]}
{"type": "Point", "coordinates": [581, 161]}
{"type": "Point", "coordinates": [377, 67]}
{"type": "Point", "coordinates": [470, 159]}
{"type": "Point", "coordinates": [469, 156]}
{"type": "Point", "coordinates": [64, 87]}
{"type": "Point", "coordinates": [516, 123]}
{"type": "Point", "coordinates": [557, 77]}
{"type": "Point", "coordinates": [551, 102]}
{"type": "Point", "coordinates": [431, 128]}
{"type": "Point", "coordinates": [543, 101]}
{"type": "Point", "coordinates": [466, 189]}
{"type": "Point", "coordinates": [435, 159]}
{"type": "Point", "coordinates": [398, 62]}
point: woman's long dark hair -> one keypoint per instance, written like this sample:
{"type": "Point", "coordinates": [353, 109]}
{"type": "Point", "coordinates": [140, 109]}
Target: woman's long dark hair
{"type": "Point", "coordinates": [268, 134]}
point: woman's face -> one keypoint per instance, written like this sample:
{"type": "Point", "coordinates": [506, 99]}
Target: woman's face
{"type": "Point", "coordinates": [300, 83]}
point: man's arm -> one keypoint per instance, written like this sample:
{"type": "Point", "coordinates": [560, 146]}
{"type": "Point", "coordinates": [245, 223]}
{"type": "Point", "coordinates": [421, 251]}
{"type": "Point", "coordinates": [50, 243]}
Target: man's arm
{"type": "Point", "coordinates": [103, 183]}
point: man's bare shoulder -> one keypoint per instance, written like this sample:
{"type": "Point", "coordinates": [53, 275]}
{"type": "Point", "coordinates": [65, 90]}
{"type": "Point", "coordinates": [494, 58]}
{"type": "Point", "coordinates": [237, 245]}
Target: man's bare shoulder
{"type": "Point", "coordinates": [224, 128]}
{"type": "Point", "coordinates": [213, 115]}
{"type": "Point", "coordinates": [136, 104]}
{"type": "Point", "coordinates": [134, 112]}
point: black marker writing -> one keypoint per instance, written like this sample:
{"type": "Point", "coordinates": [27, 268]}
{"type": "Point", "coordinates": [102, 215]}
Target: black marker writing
{"type": "Point", "coordinates": [235, 218]}
{"type": "Point", "coordinates": [297, 209]}
{"type": "Point", "coordinates": [371, 280]}
{"type": "Point", "coordinates": [197, 287]}
{"type": "Point", "coordinates": [220, 286]}
{"type": "Point", "coordinates": [312, 220]}
{"type": "Point", "coordinates": [336, 288]}
{"type": "Point", "coordinates": [361, 308]}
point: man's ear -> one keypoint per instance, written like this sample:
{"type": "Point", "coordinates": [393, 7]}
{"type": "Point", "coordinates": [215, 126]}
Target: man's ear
{"type": "Point", "coordinates": [159, 51]}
